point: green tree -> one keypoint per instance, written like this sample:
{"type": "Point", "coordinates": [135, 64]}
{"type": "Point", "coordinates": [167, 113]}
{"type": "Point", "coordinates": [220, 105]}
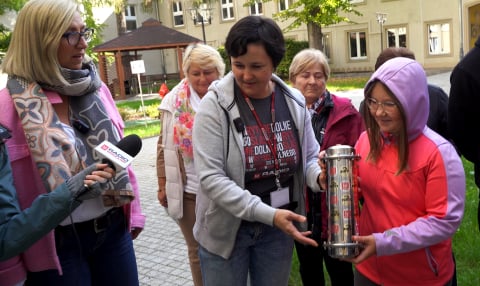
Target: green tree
{"type": "Point", "coordinates": [11, 5]}
{"type": "Point", "coordinates": [315, 14]}
{"type": "Point", "coordinates": [5, 33]}
{"type": "Point", "coordinates": [118, 6]}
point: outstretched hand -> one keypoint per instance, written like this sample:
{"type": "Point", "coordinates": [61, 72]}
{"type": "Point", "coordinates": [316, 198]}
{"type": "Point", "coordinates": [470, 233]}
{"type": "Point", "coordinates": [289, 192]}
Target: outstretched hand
{"type": "Point", "coordinates": [368, 248]}
{"type": "Point", "coordinates": [322, 178]}
{"type": "Point", "coordinates": [284, 219]}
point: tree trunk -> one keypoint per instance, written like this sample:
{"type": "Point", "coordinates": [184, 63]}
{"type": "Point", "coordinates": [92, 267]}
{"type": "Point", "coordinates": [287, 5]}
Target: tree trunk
{"type": "Point", "coordinates": [315, 36]}
{"type": "Point", "coordinates": [121, 23]}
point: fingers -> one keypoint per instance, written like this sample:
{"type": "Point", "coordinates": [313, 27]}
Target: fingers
{"type": "Point", "coordinates": [162, 198]}
{"type": "Point", "coordinates": [105, 168]}
{"type": "Point", "coordinates": [101, 176]}
{"type": "Point", "coordinates": [283, 220]}
{"type": "Point", "coordinates": [304, 240]}
{"type": "Point", "coordinates": [367, 248]}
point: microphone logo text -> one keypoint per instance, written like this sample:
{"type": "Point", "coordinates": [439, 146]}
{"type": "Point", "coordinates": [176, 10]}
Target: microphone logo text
{"type": "Point", "coordinates": [114, 153]}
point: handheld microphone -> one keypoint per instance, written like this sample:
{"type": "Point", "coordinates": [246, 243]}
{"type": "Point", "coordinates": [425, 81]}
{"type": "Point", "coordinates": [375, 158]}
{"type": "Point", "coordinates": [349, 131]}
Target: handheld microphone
{"type": "Point", "coordinates": [117, 157]}
{"type": "Point", "coordinates": [121, 155]}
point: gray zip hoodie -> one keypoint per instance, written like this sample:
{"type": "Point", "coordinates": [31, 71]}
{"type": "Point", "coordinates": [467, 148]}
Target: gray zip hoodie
{"type": "Point", "coordinates": [223, 202]}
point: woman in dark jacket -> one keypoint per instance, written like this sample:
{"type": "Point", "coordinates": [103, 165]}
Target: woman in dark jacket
{"type": "Point", "coordinates": [335, 121]}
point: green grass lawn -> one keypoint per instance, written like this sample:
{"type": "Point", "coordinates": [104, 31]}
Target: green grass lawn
{"type": "Point", "coordinates": [466, 242]}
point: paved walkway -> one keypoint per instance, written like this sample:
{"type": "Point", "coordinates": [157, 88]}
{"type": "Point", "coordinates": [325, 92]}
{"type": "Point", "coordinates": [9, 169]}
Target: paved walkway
{"type": "Point", "coordinates": [160, 248]}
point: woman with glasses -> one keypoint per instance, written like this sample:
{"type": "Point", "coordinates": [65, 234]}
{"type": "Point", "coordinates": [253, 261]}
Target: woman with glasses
{"type": "Point", "coordinates": [59, 111]}
{"type": "Point", "coordinates": [335, 121]}
{"type": "Point", "coordinates": [412, 184]}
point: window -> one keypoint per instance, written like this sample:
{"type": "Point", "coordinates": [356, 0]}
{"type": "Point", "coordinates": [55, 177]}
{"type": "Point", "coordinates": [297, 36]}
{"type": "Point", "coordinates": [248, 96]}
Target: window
{"type": "Point", "coordinates": [326, 41]}
{"type": "Point", "coordinates": [397, 37]}
{"type": "Point", "coordinates": [205, 13]}
{"type": "Point", "coordinates": [256, 9]}
{"type": "Point", "coordinates": [284, 5]}
{"type": "Point", "coordinates": [177, 11]}
{"type": "Point", "coordinates": [439, 39]}
{"type": "Point", "coordinates": [130, 18]}
{"type": "Point", "coordinates": [358, 45]}
{"type": "Point", "coordinates": [227, 10]}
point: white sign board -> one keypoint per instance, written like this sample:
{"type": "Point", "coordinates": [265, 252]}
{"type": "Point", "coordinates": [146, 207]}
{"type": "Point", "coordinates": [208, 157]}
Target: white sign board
{"type": "Point", "coordinates": [138, 67]}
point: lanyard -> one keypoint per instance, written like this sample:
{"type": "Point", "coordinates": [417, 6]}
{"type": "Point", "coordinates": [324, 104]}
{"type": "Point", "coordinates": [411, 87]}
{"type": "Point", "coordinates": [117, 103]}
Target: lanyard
{"type": "Point", "coordinates": [271, 144]}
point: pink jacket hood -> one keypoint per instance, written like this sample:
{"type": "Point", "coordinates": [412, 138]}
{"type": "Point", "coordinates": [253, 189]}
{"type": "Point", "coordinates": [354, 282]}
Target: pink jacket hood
{"type": "Point", "coordinates": [396, 74]}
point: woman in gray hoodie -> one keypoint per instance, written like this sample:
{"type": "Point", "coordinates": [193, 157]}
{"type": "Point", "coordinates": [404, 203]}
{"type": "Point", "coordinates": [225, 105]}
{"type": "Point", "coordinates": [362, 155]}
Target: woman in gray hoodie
{"type": "Point", "coordinates": [255, 154]}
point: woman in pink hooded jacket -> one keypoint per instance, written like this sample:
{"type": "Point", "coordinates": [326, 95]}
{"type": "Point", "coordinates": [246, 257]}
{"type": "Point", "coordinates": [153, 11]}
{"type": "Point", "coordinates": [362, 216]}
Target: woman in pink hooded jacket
{"type": "Point", "coordinates": [412, 184]}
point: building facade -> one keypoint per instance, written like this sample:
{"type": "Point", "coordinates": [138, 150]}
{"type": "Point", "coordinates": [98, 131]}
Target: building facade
{"type": "Point", "coordinates": [439, 32]}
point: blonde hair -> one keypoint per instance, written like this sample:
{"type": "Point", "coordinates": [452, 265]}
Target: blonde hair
{"type": "Point", "coordinates": [32, 53]}
{"type": "Point", "coordinates": [305, 59]}
{"type": "Point", "coordinates": [205, 56]}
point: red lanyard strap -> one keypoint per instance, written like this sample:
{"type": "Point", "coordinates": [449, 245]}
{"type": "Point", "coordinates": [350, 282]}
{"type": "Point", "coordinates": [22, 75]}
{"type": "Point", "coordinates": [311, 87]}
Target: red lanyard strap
{"type": "Point", "coordinates": [272, 144]}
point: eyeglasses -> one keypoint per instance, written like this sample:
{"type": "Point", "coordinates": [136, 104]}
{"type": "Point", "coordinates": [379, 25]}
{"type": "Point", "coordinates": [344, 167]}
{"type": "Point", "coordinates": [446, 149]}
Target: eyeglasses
{"type": "Point", "coordinates": [74, 37]}
{"type": "Point", "coordinates": [387, 106]}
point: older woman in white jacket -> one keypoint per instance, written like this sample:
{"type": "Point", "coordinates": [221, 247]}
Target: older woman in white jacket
{"type": "Point", "coordinates": [177, 179]}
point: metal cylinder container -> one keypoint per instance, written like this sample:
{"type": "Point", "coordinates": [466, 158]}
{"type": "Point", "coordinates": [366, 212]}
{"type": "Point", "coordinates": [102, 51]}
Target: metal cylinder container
{"type": "Point", "coordinates": [342, 201]}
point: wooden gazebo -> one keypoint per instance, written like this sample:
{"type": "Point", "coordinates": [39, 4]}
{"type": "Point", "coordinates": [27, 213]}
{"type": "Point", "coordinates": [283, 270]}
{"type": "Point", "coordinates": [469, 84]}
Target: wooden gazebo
{"type": "Point", "coordinates": [150, 36]}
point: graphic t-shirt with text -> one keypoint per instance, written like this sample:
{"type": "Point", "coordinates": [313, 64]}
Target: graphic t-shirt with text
{"type": "Point", "coordinates": [260, 162]}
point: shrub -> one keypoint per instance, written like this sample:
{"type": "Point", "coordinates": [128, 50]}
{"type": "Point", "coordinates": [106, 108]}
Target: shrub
{"type": "Point", "coordinates": [226, 60]}
{"type": "Point", "coordinates": [126, 113]}
{"type": "Point", "coordinates": [152, 111]}
{"type": "Point", "coordinates": [292, 48]}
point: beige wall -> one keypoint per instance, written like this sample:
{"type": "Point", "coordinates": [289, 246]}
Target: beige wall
{"type": "Point", "coordinates": [415, 15]}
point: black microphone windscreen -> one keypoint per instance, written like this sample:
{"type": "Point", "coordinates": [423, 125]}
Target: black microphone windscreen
{"type": "Point", "coordinates": [130, 144]}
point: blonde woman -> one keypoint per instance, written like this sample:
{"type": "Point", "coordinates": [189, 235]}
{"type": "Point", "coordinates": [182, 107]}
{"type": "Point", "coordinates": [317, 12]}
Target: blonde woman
{"type": "Point", "coordinates": [177, 179]}
{"type": "Point", "coordinates": [59, 110]}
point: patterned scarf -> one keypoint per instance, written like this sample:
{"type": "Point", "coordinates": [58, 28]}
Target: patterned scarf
{"type": "Point", "coordinates": [183, 122]}
{"type": "Point", "coordinates": [56, 157]}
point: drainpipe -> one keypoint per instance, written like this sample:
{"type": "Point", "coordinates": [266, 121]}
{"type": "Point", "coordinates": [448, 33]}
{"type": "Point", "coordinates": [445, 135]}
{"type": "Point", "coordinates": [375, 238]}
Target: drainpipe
{"type": "Point", "coordinates": [460, 10]}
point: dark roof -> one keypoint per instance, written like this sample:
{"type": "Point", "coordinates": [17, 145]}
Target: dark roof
{"type": "Point", "coordinates": [151, 35]}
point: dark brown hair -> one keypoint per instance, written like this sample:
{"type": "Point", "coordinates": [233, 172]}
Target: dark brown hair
{"type": "Point", "coordinates": [393, 52]}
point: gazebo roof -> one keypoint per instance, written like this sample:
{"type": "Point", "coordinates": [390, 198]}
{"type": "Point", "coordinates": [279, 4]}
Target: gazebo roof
{"type": "Point", "coordinates": [151, 35]}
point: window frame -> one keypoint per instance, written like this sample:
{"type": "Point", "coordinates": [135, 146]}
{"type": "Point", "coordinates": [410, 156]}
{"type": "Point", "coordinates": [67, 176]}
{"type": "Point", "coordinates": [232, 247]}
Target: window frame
{"type": "Point", "coordinates": [129, 18]}
{"type": "Point", "coordinates": [257, 7]}
{"type": "Point", "coordinates": [359, 42]}
{"type": "Point", "coordinates": [177, 13]}
{"type": "Point", "coordinates": [227, 6]}
{"type": "Point", "coordinates": [327, 44]}
{"type": "Point", "coordinates": [440, 36]}
{"type": "Point", "coordinates": [397, 35]}
{"type": "Point", "coordinates": [286, 3]}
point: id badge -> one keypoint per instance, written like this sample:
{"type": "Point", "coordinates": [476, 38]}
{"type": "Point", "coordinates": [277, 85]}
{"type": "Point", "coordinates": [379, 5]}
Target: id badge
{"type": "Point", "coordinates": [280, 197]}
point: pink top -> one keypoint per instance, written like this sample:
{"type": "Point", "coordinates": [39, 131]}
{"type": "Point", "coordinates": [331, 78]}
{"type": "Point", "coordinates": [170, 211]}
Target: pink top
{"type": "Point", "coordinates": [42, 255]}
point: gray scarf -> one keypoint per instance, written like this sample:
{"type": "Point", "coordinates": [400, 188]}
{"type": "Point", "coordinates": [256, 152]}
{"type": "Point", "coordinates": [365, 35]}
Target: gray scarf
{"type": "Point", "coordinates": [54, 155]}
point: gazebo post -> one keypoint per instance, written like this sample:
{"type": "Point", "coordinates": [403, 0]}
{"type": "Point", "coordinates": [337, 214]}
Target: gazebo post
{"type": "Point", "coordinates": [120, 74]}
{"type": "Point", "coordinates": [102, 70]}
{"type": "Point", "coordinates": [180, 61]}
